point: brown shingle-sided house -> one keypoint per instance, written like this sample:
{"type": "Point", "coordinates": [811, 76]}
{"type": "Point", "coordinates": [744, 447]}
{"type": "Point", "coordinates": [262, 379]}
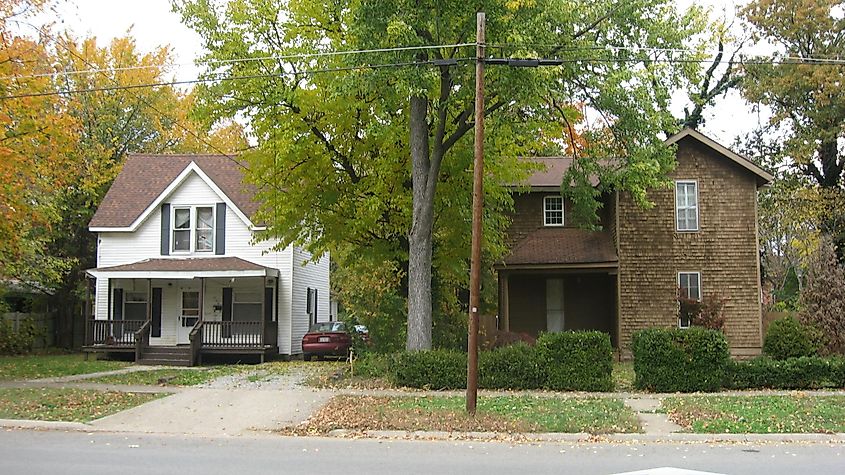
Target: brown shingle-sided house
{"type": "Point", "coordinates": [700, 239]}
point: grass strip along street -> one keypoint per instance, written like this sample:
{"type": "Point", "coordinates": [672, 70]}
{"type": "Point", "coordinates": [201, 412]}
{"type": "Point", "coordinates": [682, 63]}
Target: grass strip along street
{"type": "Point", "coordinates": [18, 368]}
{"type": "Point", "coordinates": [71, 405]}
{"type": "Point", "coordinates": [506, 414]}
{"type": "Point", "coordinates": [798, 413]}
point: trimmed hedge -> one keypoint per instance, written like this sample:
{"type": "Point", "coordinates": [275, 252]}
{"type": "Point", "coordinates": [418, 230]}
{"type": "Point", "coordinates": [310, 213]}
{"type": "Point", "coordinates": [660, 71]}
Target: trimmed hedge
{"type": "Point", "coordinates": [685, 360]}
{"type": "Point", "coordinates": [577, 361]}
{"type": "Point", "coordinates": [806, 372]}
{"type": "Point", "coordinates": [516, 366]}
{"type": "Point", "coordinates": [434, 369]}
{"type": "Point", "coordinates": [789, 338]}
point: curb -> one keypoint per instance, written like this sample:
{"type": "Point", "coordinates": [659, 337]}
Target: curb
{"type": "Point", "coordinates": [585, 437]}
{"type": "Point", "coordinates": [45, 425]}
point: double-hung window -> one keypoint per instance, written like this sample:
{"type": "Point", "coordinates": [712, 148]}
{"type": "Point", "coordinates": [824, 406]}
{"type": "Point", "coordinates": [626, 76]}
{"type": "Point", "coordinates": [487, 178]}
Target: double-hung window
{"type": "Point", "coordinates": [689, 287]}
{"type": "Point", "coordinates": [193, 229]}
{"type": "Point", "coordinates": [553, 211]}
{"type": "Point", "coordinates": [686, 205]}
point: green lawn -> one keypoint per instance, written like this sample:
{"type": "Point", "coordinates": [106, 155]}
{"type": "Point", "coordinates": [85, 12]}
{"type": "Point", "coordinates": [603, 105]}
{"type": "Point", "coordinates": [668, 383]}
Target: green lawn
{"type": "Point", "coordinates": [623, 376]}
{"type": "Point", "coordinates": [171, 377]}
{"type": "Point", "coordinates": [758, 414]}
{"type": "Point", "coordinates": [509, 414]}
{"type": "Point", "coordinates": [74, 405]}
{"type": "Point", "coordinates": [13, 368]}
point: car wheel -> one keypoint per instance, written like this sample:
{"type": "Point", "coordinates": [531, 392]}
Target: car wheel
{"type": "Point", "coordinates": [306, 357]}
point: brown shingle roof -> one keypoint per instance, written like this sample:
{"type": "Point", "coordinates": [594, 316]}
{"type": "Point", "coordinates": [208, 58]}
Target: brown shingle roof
{"type": "Point", "coordinates": [563, 246]}
{"type": "Point", "coordinates": [551, 172]}
{"type": "Point", "coordinates": [201, 264]}
{"type": "Point", "coordinates": [144, 177]}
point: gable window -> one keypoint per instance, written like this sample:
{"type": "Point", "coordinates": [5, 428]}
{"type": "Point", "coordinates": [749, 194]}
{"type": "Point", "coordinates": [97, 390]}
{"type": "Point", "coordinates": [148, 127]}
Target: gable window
{"type": "Point", "coordinates": [193, 229]}
{"type": "Point", "coordinates": [686, 205]}
{"type": "Point", "coordinates": [553, 211]}
{"type": "Point", "coordinates": [689, 287]}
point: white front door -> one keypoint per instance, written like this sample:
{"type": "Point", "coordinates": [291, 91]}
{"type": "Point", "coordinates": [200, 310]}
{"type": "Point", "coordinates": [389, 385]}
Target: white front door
{"type": "Point", "coordinates": [188, 316]}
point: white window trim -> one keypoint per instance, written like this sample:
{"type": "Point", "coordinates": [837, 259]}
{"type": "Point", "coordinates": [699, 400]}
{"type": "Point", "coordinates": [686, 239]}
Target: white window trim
{"type": "Point", "coordinates": [182, 315]}
{"type": "Point", "coordinates": [193, 228]}
{"type": "Point", "coordinates": [697, 206]}
{"type": "Point", "coordinates": [562, 213]}
{"type": "Point", "coordinates": [700, 291]}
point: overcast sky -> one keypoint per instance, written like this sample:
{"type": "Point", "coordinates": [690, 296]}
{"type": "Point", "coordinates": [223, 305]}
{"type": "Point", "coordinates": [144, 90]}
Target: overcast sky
{"type": "Point", "coordinates": [154, 24]}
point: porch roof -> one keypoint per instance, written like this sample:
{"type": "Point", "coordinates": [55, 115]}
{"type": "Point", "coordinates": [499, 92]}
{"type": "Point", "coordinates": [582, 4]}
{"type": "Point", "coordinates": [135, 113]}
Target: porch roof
{"type": "Point", "coordinates": [563, 247]}
{"type": "Point", "coordinates": [186, 268]}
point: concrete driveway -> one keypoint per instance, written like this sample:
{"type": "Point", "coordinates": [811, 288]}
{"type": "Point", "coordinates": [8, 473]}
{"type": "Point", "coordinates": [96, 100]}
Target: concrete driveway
{"type": "Point", "coordinates": [232, 405]}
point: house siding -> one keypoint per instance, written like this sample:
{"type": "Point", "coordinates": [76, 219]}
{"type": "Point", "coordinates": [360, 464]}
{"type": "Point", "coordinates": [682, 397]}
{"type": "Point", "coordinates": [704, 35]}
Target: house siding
{"type": "Point", "coordinates": [527, 215]}
{"type": "Point", "coordinates": [307, 273]}
{"type": "Point", "coordinates": [724, 250]}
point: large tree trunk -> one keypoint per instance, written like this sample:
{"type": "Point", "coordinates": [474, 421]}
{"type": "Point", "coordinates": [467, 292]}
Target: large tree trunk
{"type": "Point", "coordinates": [419, 258]}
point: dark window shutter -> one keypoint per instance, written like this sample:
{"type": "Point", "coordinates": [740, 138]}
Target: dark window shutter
{"type": "Point", "coordinates": [268, 304]}
{"type": "Point", "coordinates": [155, 331]}
{"type": "Point", "coordinates": [308, 304]}
{"type": "Point", "coordinates": [227, 311]}
{"type": "Point", "coordinates": [117, 304]}
{"type": "Point", "coordinates": [165, 229]}
{"type": "Point", "coordinates": [220, 230]}
{"type": "Point", "coordinates": [227, 304]}
{"type": "Point", "coordinates": [315, 305]}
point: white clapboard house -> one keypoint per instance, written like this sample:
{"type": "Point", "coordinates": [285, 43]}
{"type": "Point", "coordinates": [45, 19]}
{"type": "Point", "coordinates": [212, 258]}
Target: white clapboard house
{"type": "Point", "coordinates": [180, 274]}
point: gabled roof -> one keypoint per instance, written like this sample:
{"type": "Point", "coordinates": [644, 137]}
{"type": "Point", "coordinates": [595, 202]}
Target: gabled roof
{"type": "Point", "coordinates": [550, 175]}
{"type": "Point", "coordinates": [763, 177]}
{"type": "Point", "coordinates": [563, 246]}
{"type": "Point", "coordinates": [146, 179]}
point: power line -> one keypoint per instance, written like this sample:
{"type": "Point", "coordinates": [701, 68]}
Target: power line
{"type": "Point", "coordinates": [242, 60]}
{"type": "Point", "coordinates": [233, 78]}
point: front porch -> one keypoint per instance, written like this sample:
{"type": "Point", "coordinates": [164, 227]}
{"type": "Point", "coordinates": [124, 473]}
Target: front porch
{"type": "Point", "coordinates": [559, 279]}
{"type": "Point", "coordinates": [175, 311]}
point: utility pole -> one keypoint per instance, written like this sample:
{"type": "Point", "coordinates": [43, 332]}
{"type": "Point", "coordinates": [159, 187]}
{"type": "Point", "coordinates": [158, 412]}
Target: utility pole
{"type": "Point", "coordinates": [477, 204]}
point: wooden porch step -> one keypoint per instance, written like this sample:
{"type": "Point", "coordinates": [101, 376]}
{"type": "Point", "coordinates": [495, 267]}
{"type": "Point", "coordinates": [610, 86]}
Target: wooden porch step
{"type": "Point", "coordinates": [166, 355]}
{"type": "Point", "coordinates": [164, 362]}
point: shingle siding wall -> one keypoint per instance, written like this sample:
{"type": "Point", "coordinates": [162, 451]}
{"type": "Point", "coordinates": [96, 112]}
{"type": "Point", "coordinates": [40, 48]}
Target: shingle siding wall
{"type": "Point", "coordinates": [528, 214]}
{"type": "Point", "coordinates": [724, 250]}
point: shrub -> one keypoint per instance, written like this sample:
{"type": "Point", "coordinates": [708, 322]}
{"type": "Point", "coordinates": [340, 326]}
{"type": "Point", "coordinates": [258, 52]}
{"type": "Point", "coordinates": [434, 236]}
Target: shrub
{"type": "Point", "coordinates": [578, 361]}
{"type": "Point", "coordinates": [686, 360]}
{"type": "Point", "coordinates": [517, 366]}
{"type": "Point", "coordinates": [435, 369]}
{"type": "Point", "coordinates": [822, 300]}
{"type": "Point", "coordinates": [789, 338]}
{"type": "Point", "coordinates": [18, 342]}
{"type": "Point", "coordinates": [806, 372]}
{"type": "Point", "coordinates": [706, 313]}
{"type": "Point", "coordinates": [373, 365]}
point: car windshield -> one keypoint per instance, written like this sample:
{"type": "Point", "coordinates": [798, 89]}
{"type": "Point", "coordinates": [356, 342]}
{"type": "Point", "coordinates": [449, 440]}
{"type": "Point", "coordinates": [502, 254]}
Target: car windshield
{"type": "Point", "coordinates": [328, 327]}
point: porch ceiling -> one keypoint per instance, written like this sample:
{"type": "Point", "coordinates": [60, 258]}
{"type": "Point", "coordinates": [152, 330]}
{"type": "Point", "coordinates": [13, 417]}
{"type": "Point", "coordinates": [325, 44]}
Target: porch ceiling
{"type": "Point", "coordinates": [564, 247]}
{"type": "Point", "coordinates": [187, 268]}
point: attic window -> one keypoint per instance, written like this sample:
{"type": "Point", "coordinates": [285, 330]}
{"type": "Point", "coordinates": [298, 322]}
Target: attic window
{"type": "Point", "coordinates": [193, 229]}
{"type": "Point", "coordinates": [553, 211]}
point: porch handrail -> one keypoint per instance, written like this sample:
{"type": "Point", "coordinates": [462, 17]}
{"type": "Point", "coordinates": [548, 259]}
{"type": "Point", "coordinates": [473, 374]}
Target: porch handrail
{"type": "Point", "coordinates": [142, 339]}
{"type": "Point", "coordinates": [195, 339]}
{"type": "Point", "coordinates": [234, 334]}
{"type": "Point", "coordinates": [113, 332]}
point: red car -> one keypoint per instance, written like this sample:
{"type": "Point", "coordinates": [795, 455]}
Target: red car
{"type": "Point", "coordinates": [326, 339]}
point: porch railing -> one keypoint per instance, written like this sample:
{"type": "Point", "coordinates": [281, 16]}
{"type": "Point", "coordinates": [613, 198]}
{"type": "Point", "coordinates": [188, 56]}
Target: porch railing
{"type": "Point", "coordinates": [233, 334]}
{"type": "Point", "coordinates": [113, 332]}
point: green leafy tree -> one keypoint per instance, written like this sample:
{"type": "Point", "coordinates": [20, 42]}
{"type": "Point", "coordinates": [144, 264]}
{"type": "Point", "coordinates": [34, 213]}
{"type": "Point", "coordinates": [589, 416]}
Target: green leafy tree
{"type": "Point", "coordinates": [805, 96]}
{"type": "Point", "coordinates": [368, 155]}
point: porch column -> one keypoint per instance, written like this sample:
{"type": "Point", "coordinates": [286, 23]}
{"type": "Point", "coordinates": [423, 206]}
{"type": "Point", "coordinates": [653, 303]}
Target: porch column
{"type": "Point", "coordinates": [150, 300]}
{"type": "Point", "coordinates": [202, 296]}
{"type": "Point", "coordinates": [263, 312]}
{"type": "Point", "coordinates": [504, 311]}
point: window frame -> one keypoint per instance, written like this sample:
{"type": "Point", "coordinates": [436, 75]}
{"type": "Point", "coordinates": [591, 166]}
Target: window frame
{"type": "Point", "coordinates": [546, 210]}
{"type": "Point", "coordinates": [184, 319]}
{"type": "Point", "coordinates": [127, 301]}
{"type": "Point", "coordinates": [244, 292]}
{"type": "Point", "coordinates": [193, 229]}
{"type": "Point", "coordinates": [697, 206]}
{"type": "Point", "coordinates": [680, 289]}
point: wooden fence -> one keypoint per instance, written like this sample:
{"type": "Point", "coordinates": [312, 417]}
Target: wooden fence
{"type": "Point", "coordinates": [44, 322]}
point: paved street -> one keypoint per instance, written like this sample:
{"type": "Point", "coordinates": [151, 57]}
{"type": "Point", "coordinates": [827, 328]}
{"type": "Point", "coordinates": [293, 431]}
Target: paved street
{"type": "Point", "coordinates": [28, 452]}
